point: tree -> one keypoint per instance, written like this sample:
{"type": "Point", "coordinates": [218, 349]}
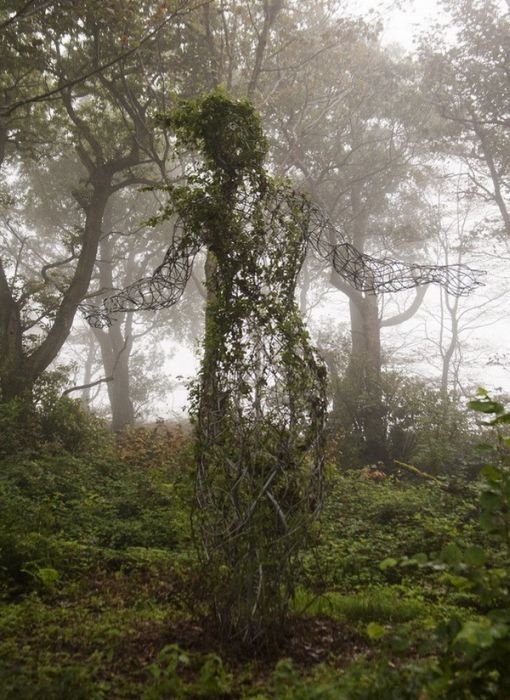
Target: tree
{"type": "Point", "coordinates": [348, 132]}
{"type": "Point", "coordinates": [457, 320]}
{"type": "Point", "coordinates": [75, 68]}
{"type": "Point", "coordinates": [466, 80]}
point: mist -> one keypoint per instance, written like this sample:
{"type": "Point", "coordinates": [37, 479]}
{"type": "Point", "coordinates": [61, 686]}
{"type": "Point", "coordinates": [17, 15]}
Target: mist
{"type": "Point", "coordinates": [247, 247]}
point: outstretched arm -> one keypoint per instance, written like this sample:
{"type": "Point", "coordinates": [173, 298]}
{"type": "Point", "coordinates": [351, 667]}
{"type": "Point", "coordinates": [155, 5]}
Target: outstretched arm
{"type": "Point", "coordinates": [368, 274]}
{"type": "Point", "coordinates": [161, 290]}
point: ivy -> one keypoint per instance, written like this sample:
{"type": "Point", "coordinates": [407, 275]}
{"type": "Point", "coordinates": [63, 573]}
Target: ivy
{"type": "Point", "coordinates": [259, 406]}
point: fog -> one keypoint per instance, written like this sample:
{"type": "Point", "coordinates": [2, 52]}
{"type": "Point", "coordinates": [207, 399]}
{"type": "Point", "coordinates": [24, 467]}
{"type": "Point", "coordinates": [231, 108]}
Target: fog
{"type": "Point", "coordinates": [254, 349]}
{"type": "Point", "coordinates": [363, 109]}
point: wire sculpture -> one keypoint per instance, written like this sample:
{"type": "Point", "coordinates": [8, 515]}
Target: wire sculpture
{"type": "Point", "coordinates": [365, 273]}
{"type": "Point", "coordinates": [161, 290]}
{"type": "Point", "coordinates": [260, 403]}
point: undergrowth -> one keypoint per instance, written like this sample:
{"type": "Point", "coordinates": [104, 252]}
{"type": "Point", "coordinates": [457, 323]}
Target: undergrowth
{"type": "Point", "coordinates": [98, 583]}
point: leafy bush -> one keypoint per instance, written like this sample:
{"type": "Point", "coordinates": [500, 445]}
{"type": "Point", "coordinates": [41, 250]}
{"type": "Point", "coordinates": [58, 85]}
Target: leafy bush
{"type": "Point", "coordinates": [420, 427]}
{"type": "Point", "coordinates": [365, 521]}
{"type": "Point", "coordinates": [50, 422]}
{"type": "Point", "coordinates": [162, 443]}
{"type": "Point", "coordinates": [60, 683]}
{"type": "Point", "coordinates": [475, 647]}
{"type": "Point", "coordinates": [479, 647]}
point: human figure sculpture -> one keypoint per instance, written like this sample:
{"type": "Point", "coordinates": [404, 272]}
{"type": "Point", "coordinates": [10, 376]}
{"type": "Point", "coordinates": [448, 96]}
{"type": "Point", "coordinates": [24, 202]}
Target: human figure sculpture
{"type": "Point", "coordinates": [259, 406]}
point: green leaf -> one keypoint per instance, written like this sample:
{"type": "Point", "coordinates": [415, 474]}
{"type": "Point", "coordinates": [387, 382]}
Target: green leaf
{"type": "Point", "coordinates": [375, 630]}
{"type": "Point", "coordinates": [503, 418]}
{"type": "Point", "coordinates": [388, 563]}
{"type": "Point", "coordinates": [488, 522]}
{"type": "Point", "coordinates": [486, 406]}
{"type": "Point", "coordinates": [451, 554]}
{"type": "Point", "coordinates": [48, 576]}
{"type": "Point", "coordinates": [490, 501]}
{"type": "Point", "coordinates": [420, 558]}
{"type": "Point", "coordinates": [461, 583]}
{"type": "Point", "coordinates": [478, 634]}
{"type": "Point", "coordinates": [475, 556]}
{"type": "Point", "coordinates": [491, 473]}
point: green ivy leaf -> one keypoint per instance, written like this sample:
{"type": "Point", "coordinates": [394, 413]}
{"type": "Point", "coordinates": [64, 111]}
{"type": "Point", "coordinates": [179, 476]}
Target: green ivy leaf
{"type": "Point", "coordinates": [375, 630]}
{"type": "Point", "coordinates": [388, 563]}
{"type": "Point", "coordinates": [486, 406]}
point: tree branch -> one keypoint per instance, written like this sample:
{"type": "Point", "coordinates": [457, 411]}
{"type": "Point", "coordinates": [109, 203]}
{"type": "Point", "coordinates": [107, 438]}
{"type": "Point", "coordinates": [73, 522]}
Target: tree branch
{"type": "Point", "coordinates": [407, 313]}
{"type": "Point", "coordinates": [41, 97]}
{"type": "Point", "coordinates": [87, 386]}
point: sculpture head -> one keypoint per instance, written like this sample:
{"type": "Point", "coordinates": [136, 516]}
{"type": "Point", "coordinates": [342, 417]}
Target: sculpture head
{"type": "Point", "coordinates": [228, 133]}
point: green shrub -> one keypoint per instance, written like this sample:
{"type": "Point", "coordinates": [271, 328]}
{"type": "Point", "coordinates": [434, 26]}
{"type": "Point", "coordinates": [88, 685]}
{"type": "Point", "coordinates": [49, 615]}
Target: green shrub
{"type": "Point", "coordinates": [475, 645]}
{"type": "Point", "coordinates": [51, 683]}
{"type": "Point", "coordinates": [149, 447]}
{"type": "Point", "coordinates": [419, 426]}
{"type": "Point", "coordinates": [478, 649]}
{"type": "Point", "coordinates": [50, 422]}
{"type": "Point", "coordinates": [179, 674]}
{"type": "Point", "coordinates": [364, 522]}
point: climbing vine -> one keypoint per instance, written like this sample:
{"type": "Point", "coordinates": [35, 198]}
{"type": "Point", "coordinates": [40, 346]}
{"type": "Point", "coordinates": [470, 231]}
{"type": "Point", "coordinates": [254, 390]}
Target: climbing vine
{"type": "Point", "coordinates": [259, 406]}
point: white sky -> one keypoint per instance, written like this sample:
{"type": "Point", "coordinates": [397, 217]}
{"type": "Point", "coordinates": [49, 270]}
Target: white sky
{"type": "Point", "coordinates": [400, 25]}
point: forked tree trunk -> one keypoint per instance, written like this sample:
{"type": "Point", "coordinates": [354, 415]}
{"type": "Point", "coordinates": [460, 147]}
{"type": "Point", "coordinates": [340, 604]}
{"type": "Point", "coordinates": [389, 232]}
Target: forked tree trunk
{"type": "Point", "coordinates": [19, 369]}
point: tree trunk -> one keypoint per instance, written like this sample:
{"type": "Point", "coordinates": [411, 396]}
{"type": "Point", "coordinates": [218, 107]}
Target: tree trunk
{"type": "Point", "coordinates": [116, 345]}
{"type": "Point", "coordinates": [115, 352]}
{"type": "Point", "coordinates": [363, 377]}
{"type": "Point", "coordinates": [361, 387]}
{"type": "Point", "coordinates": [18, 370]}
{"type": "Point", "coordinates": [86, 394]}
{"type": "Point", "coordinates": [14, 380]}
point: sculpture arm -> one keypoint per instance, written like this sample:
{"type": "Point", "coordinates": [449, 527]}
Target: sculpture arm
{"type": "Point", "coordinates": [368, 274]}
{"type": "Point", "coordinates": [161, 290]}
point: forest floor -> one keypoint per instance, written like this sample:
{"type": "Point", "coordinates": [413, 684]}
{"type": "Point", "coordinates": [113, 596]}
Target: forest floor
{"type": "Point", "coordinates": [98, 599]}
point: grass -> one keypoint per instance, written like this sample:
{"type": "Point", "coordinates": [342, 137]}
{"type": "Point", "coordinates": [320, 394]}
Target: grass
{"type": "Point", "coordinates": [378, 604]}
